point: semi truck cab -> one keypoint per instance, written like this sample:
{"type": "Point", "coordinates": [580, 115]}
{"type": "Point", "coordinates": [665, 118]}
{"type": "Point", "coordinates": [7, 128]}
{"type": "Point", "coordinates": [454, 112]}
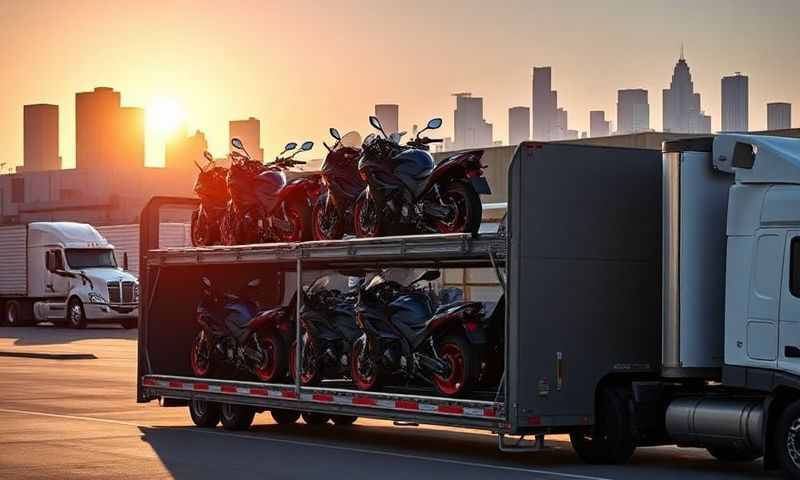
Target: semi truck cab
{"type": "Point", "coordinates": [73, 277]}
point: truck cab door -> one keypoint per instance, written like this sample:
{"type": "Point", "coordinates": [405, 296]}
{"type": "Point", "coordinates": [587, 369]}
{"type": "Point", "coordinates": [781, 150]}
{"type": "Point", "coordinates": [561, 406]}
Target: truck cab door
{"type": "Point", "coordinates": [56, 285]}
{"type": "Point", "coordinates": [789, 344]}
{"type": "Point", "coordinates": [762, 328]}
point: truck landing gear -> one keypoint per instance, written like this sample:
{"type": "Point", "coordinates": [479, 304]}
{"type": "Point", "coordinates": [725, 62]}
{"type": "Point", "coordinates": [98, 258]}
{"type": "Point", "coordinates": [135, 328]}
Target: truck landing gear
{"type": "Point", "coordinates": [787, 439]}
{"type": "Point", "coordinates": [610, 441]}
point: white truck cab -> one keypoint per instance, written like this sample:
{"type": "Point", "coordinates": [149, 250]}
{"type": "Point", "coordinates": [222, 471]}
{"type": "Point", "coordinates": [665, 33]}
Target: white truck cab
{"type": "Point", "coordinates": [71, 276]}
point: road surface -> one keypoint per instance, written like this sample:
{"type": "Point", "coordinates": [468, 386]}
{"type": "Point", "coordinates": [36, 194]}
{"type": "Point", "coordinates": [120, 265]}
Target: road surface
{"type": "Point", "coordinates": [68, 410]}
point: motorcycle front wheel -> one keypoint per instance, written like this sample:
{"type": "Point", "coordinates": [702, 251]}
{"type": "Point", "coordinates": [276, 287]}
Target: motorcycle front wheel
{"type": "Point", "coordinates": [299, 219]}
{"type": "Point", "coordinates": [201, 354]}
{"type": "Point", "coordinates": [312, 372]}
{"type": "Point", "coordinates": [325, 220]}
{"type": "Point", "coordinates": [466, 208]}
{"type": "Point", "coordinates": [367, 221]}
{"type": "Point", "coordinates": [273, 365]}
{"type": "Point", "coordinates": [227, 228]}
{"type": "Point", "coordinates": [365, 371]}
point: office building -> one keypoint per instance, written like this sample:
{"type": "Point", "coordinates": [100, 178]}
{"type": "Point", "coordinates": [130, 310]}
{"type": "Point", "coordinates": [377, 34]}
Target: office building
{"type": "Point", "coordinates": [735, 103]}
{"type": "Point", "coordinates": [182, 150]}
{"type": "Point", "coordinates": [40, 124]}
{"type": "Point", "coordinates": [389, 115]}
{"type": "Point", "coordinates": [681, 107]}
{"type": "Point", "coordinates": [598, 125]}
{"type": "Point", "coordinates": [470, 128]}
{"type": "Point", "coordinates": [107, 135]}
{"type": "Point", "coordinates": [519, 125]}
{"type": "Point", "coordinates": [249, 132]}
{"type": "Point", "coordinates": [544, 105]}
{"type": "Point", "coordinates": [633, 111]}
{"type": "Point", "coordinates": [779, 116]}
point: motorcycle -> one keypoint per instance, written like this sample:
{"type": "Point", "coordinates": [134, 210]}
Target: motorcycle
{"type": "Point", "coordinates": [407, 193]}
{"type": "Point", "coordinates": [332, 216]}
{"type": "Point", "coordinates": [212, 190]}
{"type": "Point", "coordinates": [404, 335]}
{"type": "Point", "coordinates": [234, 333]}
{"type": "Point", "coordinates": [328, 320]}
{"type": "Point", "coordinates": [264, 207]}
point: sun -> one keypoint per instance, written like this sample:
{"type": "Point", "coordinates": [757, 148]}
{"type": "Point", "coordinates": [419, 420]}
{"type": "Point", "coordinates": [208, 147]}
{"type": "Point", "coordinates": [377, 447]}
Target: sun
{"type": "Point", "coordinates": [164, 115]}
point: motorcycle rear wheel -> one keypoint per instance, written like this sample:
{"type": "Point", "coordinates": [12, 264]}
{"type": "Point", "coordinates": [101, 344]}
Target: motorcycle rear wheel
{"type": "Point", "coordinates": [367, 222]}
{"type": "Point", "coordinates": [273, 368]}
{"type": "Point", "coordinates": [464, 363]}
{"type": "Point", "coordinates": [468, 208]}
{"type": "Point", "coordinates": [325, 221]}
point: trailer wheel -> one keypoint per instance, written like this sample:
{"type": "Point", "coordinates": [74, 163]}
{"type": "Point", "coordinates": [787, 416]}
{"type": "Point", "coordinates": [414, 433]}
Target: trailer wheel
{"type": "Point", "coordinates": [314, 418]}
{"type": "Point", "coordinates": [731, 455]}
{"type": "Point", "coordinates": [204, 414]}
{"type": "Point", "coordinates": [76, 316]}
{"type": "Point", "coordinates": [610, 441]}
{"type": "Point", "coordinates": [237, 417]}
{"type": "Point", "coordinates": [343, 420]}
{"type": "Point", "coordinates": [787, 440]}
{"type": "Point", "coordinates": [284, 417]}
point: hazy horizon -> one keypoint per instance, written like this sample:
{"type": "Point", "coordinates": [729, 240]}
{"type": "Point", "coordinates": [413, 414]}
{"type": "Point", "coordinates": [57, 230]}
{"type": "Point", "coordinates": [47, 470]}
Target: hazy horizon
{"type": "Point", "coordinates": [302, 68]}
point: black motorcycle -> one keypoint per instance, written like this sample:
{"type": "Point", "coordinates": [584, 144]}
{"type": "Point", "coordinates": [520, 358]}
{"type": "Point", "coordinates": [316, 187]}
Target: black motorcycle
{"type": "Point", "coordinates": [407, 193]}
{"type": "Point", "coordinates": [332, 217]}
{"type": "Point", "coordinates": [328, 320]}
{"type": "Point", "coordinates": [405, 335]}
{"type": "Point", "coordinates": [234, 333]}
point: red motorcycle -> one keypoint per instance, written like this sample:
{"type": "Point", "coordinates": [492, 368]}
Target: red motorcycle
{"type": "Point", "coordinates": [332, 216]}
{"type": "Point", "coordinates": [264, 207]}
{"type": "Point", "coordinates": [212, 190]}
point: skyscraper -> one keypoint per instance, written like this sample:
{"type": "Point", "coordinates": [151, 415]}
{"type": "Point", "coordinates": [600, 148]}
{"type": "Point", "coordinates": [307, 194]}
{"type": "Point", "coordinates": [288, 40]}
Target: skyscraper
{"type": "Point", "coordinates": [389, 115]}
{"type": "Point", "coordinates": [598, 125]}
{"type": "Point", "coordinates": [779, 116]}
{"type": "Point", "coordinates": [734, 103]}
{"type": "Point", "coordinates": [249, 132]}
{"type": "Point", "coordinates": [519, 125]}
{"type": "Point", "coordinates": [544, 104]}
{"type": "Point", "coordinates": [40, 123]}
{"type": "Point", "coordinates": [107, 135]}
{"type": "Point", "coordinates": [682, 113]}
{"type": "Point", "coordinates": [183, 151]}
{"type": "Point", "coordinates": [470, 129]}
{"type": "Point", "coordinates": [633, 111]}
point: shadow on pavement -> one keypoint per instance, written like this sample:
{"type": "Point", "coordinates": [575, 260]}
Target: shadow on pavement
{"type": "Point", "coordinates": [54, 335]}
{"type": "Point", "coordinates": [50, 356]}
{"type": "Point", "coordinates": [300, 451]}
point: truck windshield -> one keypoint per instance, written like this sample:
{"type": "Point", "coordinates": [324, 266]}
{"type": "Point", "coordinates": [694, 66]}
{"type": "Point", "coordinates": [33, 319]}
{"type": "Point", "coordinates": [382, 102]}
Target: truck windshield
{"type": "Point", "coordinates": [80, 258]}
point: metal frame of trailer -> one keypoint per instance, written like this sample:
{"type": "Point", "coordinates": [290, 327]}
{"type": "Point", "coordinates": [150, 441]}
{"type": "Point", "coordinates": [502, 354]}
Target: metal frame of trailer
{"type": "Point", "coordinates": [435, 251]}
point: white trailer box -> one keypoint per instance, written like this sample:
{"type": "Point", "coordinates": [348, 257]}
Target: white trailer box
{"type": "Point", "coordinates": [13, 265]}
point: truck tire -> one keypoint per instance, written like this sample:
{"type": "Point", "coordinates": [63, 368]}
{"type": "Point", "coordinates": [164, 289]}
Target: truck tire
{"type": "Point", "coordinates": [76, 316]}
{"type": "Point", "coordinates": [732, 455]}
{"type": "Point", "coordinates": [343, 420]}
{"type": "Point", "coordinates": [314, 418]}
{"type": "Point", "coordinates": [204, 414]}
{"type": "Point", "coordinates": [610, 441]}
{"type": "Point", "coordinates": [12, 314]}
{"type": "Point", "coordinates": [237, 417]}
{"type": "Point", "coordinates": [284, 417]}
{"type": "Point", "coordinates": [787, 441]}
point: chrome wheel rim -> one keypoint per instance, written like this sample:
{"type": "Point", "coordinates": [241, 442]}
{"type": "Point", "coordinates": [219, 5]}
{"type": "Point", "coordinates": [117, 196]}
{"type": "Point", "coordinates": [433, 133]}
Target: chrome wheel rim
{"type": "Point", "coordinates": [75, 314]}
{"type": "Point", "coordinates": [793, 442]}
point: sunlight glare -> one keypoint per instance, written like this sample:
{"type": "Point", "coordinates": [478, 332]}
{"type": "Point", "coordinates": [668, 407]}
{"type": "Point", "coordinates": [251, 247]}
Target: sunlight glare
{"type": "Point", "coordinates": [164, 115]}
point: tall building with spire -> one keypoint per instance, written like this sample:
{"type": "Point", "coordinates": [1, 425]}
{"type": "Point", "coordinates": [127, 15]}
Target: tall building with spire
{"type": "Point", "coordinates": [682, 113]}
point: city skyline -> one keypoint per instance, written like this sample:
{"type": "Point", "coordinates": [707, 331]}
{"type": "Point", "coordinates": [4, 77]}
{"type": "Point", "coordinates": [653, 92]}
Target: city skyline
{"type": "Point", "coordinates": [219, 77]}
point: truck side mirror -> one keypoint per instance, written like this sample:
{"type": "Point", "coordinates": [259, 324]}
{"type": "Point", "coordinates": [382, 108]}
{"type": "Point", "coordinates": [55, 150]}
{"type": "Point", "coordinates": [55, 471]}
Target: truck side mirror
{"type": "Point", "coordinates": [125, 261]}
{"type": "Point", "coordinates": [744, 156]}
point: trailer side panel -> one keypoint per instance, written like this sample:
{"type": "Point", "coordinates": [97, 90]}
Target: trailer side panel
{"type": "Point", "coordinates": [13, 261]}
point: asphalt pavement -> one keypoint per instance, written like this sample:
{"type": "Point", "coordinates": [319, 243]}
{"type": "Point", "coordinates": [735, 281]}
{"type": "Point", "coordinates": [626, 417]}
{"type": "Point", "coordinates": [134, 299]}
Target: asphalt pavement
{"type": "Point", "coordinates": [68, 410]}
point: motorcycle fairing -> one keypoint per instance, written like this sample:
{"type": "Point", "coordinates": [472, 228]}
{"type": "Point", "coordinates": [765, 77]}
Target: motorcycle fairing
{"type": "Point", "coordinates": [412, 168]}
{"type": "Point", "coordinates": [461, 165]}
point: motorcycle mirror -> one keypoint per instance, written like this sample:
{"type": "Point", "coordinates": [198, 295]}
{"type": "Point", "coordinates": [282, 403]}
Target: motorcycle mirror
{"type": "Point", "coordinates": [434, 123]}
{"type": "Point", "coordinates": [205, 282]}
{"type": "Point", "coordinates": [237, 143]}
{"type": "Point", "coordinates": [335, 134]}
{"type": "Point", "coordinates": [306, 146]}
{"type": "Point", "coordinates": [208, 156]}
{"type": "Point", "coordinates": [373, 120]}
{"type": "Point", "coordinates": [254, 283]}
{"type": "Point", "coordinates": [289, 146]}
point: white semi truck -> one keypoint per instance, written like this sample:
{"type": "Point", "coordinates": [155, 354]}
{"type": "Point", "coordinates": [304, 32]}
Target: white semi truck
{"type": "Point", "coordinates": [63, 272]}
{"type": "Point", "coordinates": [651, 299]}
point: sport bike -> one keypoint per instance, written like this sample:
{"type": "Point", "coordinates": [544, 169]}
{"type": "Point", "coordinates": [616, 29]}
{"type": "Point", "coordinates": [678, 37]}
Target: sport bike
{"type": "Point", "coordinates": [264, 207]}
{"type": "Point", "coordinates": [332, 217]}
{"type": "Point", "coordinates": [328, 320]}
{"type": "Point", "coordinates": [407, 193]}
{"type": "Point", "coordinates": [405, 336]}
{"type": "Point", "coordinates": [212, 190]}
{"type": "Point", "coordinates": [233, 333]}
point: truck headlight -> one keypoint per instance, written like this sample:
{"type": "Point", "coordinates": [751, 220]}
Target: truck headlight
{"type": "Point", "coordinates": [96, 298]}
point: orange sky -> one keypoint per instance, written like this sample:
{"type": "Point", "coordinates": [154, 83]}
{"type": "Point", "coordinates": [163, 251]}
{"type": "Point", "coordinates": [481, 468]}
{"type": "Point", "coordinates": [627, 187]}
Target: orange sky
{"type": "Point", "coordinates": [302, 67]}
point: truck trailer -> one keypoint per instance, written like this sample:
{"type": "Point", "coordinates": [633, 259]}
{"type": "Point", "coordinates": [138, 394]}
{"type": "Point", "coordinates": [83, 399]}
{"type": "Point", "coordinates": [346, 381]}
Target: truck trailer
{"type": "Point", "coordinates": [650, 299]}
{"type": "Point", "coordinates": [65, 273]}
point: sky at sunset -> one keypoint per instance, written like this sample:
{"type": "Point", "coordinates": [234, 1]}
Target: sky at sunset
{"type": "Point", "coordinates": [302, 67]}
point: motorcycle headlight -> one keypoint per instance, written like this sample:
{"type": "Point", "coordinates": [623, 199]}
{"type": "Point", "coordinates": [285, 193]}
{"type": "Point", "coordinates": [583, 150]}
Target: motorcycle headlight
{"type": "Point", "coordinates": [96, 298]}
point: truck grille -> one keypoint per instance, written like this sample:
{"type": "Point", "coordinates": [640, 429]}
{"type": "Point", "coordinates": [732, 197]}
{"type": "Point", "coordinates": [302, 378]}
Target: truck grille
{"type": "Point", "coordinates": [121, 292]}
